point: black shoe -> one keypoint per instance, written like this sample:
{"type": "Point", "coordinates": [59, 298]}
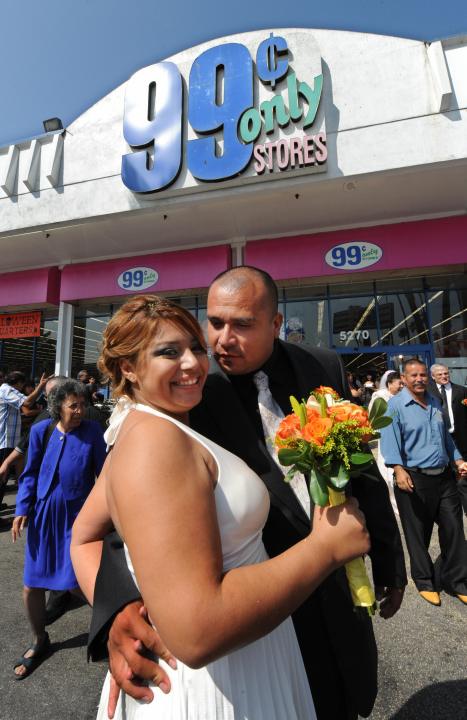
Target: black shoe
{"type": "Point", "coordinates": [40, 650]}
{"type": "Point", "coordinates": [57, 605]}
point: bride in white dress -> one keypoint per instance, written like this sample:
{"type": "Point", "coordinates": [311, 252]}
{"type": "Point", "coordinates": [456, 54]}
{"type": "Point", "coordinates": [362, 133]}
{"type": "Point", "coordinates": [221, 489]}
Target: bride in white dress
{"type": "Point", "coordinates": [389, 385]}
{"type": "Point", "coordinates": [191, 515]}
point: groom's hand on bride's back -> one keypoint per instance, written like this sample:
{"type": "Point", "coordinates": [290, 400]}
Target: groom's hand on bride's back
{"type": "Point", "coordinates": [134, 646]}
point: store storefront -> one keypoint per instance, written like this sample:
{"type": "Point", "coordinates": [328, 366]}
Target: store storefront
{"type": "Point", "coordinates": [393, 299]}
{"type": "Point", "coordinates": [335, 161]}
{"type": "Point", "coordinates": [28, 338]}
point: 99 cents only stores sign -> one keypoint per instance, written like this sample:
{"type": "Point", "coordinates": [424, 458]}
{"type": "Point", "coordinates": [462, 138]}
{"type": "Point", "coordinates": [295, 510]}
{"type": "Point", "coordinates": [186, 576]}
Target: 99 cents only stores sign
{"type": "Point", "coordinates": [239, 100]}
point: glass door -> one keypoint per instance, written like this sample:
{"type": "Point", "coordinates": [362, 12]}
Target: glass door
{"type": "Point", "coordinates": [363, 362]}
{"type": "Point", "coordinates": [397, 356]}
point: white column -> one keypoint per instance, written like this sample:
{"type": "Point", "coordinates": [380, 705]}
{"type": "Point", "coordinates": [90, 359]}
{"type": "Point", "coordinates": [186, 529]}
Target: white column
{"type": "Point", "coordinates": [237, 248]}
{"type": "Point", "coordinates": [66, 316]}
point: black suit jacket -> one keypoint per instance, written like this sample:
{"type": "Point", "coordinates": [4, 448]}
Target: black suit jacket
{"type": "Point", "coordinates": [459, 412]}
{"type": "Point", "coordinates": [222, 418]}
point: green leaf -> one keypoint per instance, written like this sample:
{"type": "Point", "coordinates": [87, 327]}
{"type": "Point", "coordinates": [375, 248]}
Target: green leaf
{"type": "Point", "coordinates": [323, 405]}
{"type": "Point", "coordinates": [381, 422]}
{"type": "Point", "coordinates": [303, 466]}
{"type": "Point", "coordinates": [356, 470]}
{"type": "Point", "coordinates": [294, 404]}
{"type": "Point", "coordinates": [340, 478]}
{"type": "Point", "coordinates": [360, 458]}
{"type": "Point", "coordinates": [318, 490]}
{"type": "Point", "coordinates": [289, 456]}
{"type": "Point", "coordinates": [378, 409]}
{"type": "Point", "coordinates": [299, 410]}
{"type": "Point", "coordinates": [309, 454]}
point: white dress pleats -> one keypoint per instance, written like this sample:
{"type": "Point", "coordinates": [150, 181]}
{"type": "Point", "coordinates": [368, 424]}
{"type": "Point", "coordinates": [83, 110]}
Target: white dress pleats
{"type": "Point", "coordinates": [264, 680]}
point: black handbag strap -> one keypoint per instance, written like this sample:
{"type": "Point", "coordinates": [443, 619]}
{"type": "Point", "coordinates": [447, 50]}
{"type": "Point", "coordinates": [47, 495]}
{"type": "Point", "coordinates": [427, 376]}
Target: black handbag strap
{"type": "Point", "coordinates": [48, 434]}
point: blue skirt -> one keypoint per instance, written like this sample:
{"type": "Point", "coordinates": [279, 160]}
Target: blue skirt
{"type": "Point", "coordinates": [47, 562]}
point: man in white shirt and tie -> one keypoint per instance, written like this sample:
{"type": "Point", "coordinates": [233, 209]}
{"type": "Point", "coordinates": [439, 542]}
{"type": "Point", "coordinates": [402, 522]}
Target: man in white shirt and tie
{"type": "Point", "coordinates": [455, 414]}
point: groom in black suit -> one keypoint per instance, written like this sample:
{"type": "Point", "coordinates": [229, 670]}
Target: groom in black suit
{"type": "Point", "coordinates": [336, 641]}
{"type": "Point", "coordinates": [455, 413]}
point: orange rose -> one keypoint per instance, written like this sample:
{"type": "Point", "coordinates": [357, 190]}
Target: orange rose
{"type": "Point", "coordinates": [360, 415]}
{"type": "Point", "coordinates": [289, 428]}
{"type": "Point", "coordinates": [349, 411]}
{"type": "Point", "coordinates": [324, 390]}
{"type": "Point", "coordinates": [312, 413]}
{"type": "Point", "coordinates": [317, 430]}
{"type": "Point", "coordinates": [342, 411]}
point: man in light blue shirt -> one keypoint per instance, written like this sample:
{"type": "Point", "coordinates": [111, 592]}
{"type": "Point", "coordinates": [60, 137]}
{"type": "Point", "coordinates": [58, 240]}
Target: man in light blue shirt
{"type": "Point", "coordinates": [420, 448]}
{"type": "Point", "coordinates": [11, 401]}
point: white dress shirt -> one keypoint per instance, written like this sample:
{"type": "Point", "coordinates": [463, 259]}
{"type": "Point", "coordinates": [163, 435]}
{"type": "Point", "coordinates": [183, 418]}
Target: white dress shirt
{"type": "Point", "coordinates": [448, 388]}
{"type": "Point", "coordinates": [11, 400]}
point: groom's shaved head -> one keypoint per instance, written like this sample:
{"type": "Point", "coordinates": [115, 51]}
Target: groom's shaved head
{"type": "Point", "coordinates": [238, 278]}
{"type": "Point", "coordinates": [243, 321]}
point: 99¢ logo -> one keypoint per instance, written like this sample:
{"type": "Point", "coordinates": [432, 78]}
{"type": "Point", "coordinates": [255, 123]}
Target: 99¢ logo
{"type": "Point", "coordinates": [220, 101]}
{"type": "Point", "coordinates": [353, 256]}
{"type": "Point", "coordinates": [138, 278]}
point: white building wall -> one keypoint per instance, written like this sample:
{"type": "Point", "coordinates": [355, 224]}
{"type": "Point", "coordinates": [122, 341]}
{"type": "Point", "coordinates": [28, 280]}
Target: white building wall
{"type": "Point", "coordinates": [381, 102]}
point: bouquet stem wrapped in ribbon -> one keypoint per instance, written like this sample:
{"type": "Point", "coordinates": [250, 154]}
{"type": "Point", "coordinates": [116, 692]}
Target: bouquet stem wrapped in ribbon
{"type": "Point", "coordinates": [323, 438]}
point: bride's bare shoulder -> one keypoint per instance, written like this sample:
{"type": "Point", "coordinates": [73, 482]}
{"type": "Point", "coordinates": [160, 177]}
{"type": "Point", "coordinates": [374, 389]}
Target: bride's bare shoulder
{"type": "Point", "coordinates": [151, 432]}
{"type": "Point", "coordinates": [152, 448]}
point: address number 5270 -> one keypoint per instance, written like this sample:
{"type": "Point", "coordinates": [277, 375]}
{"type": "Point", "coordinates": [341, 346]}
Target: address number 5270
{"type": "Point", "coordinates": [354, 335]}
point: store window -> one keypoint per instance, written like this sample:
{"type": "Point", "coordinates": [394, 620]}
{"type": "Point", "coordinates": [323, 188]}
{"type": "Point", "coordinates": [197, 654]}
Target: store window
{"type": "Point", "coordinates": [305, 313]}
{"type": "Point", "coordinates": [89, 324]}
{"type": "Point", "coordinates": [354, 322]}
{"type": "Point", "coordinates": [402, 318]}
{"type": "Point", "coordinates": [306, 322]}
{"type": "Point", "coordinates": [46, 347]}
{"type": "Point", "coordinates": [448, 313]}
{"type": "Point", "coordinates": [34, 355]}
{"type": "Point", "coordinates": [351, 288]}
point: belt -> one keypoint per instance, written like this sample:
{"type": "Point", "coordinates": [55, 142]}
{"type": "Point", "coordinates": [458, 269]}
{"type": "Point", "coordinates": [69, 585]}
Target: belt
{"type": "Point", "coordinates": [429, 471]}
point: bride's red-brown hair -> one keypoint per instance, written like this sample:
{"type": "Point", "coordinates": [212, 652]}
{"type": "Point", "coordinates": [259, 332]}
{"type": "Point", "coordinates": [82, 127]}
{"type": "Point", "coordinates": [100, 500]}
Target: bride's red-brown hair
{"type": "Point", "coordinates": [130, 331]}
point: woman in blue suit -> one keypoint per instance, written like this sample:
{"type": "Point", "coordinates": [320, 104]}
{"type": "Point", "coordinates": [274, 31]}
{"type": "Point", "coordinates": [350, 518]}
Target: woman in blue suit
{"type": "Point", "coordinates": [65, 455]}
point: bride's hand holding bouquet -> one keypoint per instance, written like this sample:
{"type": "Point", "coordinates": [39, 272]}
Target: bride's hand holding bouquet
{"type": "Point", "coordinates": [324, 439]}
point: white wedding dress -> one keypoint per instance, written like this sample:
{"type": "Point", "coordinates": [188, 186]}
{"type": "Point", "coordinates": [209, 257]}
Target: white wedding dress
{"type": "Point", "coordinates": [264, 680]}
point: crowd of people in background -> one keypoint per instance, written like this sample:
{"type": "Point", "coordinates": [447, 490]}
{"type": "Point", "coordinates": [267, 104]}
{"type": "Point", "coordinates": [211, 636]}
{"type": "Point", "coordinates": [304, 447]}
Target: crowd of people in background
{"type": "Point", "coordinates": [363, 387]}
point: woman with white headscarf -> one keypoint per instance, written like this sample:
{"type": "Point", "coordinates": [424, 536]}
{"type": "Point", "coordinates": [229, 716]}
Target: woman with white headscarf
{"type": "Point", "coordinates": [390, 384]}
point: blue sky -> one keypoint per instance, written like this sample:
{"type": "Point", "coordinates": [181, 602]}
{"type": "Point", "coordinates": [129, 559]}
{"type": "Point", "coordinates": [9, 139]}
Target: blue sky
{"type": "Point", "coordinates": [57, 58]}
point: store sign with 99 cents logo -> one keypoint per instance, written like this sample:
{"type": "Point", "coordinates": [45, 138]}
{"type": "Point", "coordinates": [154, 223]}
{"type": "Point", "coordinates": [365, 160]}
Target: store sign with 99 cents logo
{"type": "Point", "coordinates": [237, 110]}
{"type": "Point", "coordinates": [137, 279]}
{"type": "Point", "coordinates": [353, 255]}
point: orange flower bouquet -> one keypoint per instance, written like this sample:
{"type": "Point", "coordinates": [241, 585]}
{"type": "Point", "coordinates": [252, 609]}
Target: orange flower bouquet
{"type": "Point", "coordinates": [323, 438]}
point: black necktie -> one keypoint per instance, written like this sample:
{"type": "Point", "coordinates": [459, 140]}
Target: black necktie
{"type": "Point", "coordinates": [445, 408]}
